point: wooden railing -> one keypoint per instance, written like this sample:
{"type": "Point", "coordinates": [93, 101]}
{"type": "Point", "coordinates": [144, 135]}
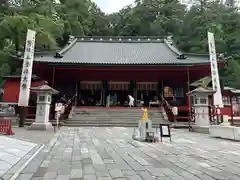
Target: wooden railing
{"type": "Point", "coordinates": [168, 110]}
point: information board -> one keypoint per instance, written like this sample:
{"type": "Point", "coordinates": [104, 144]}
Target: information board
{"type": "Point", "coordinates": [165, 131]}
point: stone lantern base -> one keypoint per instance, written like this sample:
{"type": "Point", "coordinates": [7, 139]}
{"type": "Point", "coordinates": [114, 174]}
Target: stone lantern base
{"type": "Point", "coordinates": [40, 126]}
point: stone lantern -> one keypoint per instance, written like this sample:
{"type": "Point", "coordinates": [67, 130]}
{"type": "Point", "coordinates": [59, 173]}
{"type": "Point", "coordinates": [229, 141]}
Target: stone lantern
{"type": "Point", "coordinates": [201, 104]}
{"type": "Point", "coordinates": [44, 99]}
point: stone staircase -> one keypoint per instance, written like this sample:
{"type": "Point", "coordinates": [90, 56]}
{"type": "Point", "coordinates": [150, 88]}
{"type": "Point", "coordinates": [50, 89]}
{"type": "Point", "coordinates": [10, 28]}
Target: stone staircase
{"type": "Point", "coordinates": [119, 117]}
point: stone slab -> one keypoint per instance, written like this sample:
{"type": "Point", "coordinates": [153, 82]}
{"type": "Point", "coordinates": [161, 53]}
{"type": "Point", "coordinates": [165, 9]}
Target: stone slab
{"type": "Point", "coordinates": [12, 151]}
{"type": "Point", "coordinates": [225, 132]}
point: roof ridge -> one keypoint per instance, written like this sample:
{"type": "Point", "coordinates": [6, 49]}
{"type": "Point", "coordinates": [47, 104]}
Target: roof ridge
{"type": "Point", "coordinates": [70, 44]}
{"type": "Point", "coordinates": [172, 48]}
{"type": "Point", "coordinates": [121, 39]}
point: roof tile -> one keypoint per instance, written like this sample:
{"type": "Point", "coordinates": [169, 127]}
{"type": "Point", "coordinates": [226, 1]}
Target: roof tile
{"type": "Point", "coordinates": [121, 53]}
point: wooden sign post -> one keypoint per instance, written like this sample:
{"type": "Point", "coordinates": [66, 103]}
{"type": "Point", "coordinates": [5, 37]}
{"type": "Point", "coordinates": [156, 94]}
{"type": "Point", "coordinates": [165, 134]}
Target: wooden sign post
{"type": "Point", "coordinates": [165, 131]}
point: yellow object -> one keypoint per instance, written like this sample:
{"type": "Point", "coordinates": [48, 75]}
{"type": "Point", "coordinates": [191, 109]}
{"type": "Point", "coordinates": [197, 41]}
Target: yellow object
{"type": "Point", "coordinates": [145, 114]}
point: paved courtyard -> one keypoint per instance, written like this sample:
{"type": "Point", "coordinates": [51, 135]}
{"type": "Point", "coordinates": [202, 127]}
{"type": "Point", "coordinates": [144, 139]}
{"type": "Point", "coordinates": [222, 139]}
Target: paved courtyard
{"type": "Point", "coordinates": [110, 153]}
{"type": "Point", "coordinates": [12, 151]}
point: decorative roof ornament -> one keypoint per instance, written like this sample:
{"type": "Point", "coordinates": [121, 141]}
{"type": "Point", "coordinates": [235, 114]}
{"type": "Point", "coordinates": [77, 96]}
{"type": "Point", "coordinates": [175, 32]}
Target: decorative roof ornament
{"type": "Point", "coordinates": [71, 39]}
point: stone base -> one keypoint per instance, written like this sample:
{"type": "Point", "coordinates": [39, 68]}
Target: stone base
{"type": "Point", "coordinates": [225, 132]}
{"type": "Point", "coordinates": [200, 129]}
{"type": "Point", "coordinates": [40, 126]}
{"type": "Point", "coordinates": [138, 139]}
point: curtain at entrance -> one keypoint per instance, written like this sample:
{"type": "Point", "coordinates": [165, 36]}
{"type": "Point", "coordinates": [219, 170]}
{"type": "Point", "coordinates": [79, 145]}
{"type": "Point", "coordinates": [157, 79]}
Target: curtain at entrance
{"type": "Point", "coordinates": [91, 85]}
{"type": "Point", "coordinates": [112, 85]}
{"type": "Point", "coordinates": [147, 86]}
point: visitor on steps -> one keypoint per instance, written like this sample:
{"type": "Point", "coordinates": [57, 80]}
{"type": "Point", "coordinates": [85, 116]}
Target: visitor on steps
{"type": "Point", "coordinates": [131, 101]}
{"type": "Point", "coordinates": [108, 100]}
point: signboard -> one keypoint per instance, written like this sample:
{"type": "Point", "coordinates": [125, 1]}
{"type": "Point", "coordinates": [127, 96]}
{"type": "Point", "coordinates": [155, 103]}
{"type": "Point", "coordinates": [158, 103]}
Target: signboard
{"type": "Point", "coordinates": [165, 131]}
{"type": "Point", "coordinates": [27, 69]}
{"type": "Point", "coordinates": [217, 97]}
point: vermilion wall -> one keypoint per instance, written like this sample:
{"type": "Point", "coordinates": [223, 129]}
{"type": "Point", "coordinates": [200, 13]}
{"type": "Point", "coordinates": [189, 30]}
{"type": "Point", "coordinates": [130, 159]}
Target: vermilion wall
{"type": "Point", "coordinates": [12, 88]}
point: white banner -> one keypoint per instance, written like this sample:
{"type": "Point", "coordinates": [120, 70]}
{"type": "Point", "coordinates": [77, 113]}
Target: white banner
{"type": "Point", "coordinates": [217, 97]}
{"type": "Point", "coordinates": [26, 76]}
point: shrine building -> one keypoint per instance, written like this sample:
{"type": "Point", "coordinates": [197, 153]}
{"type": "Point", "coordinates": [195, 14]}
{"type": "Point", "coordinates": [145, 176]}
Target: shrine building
{"type": "Point", "coordinates": [95, 67]}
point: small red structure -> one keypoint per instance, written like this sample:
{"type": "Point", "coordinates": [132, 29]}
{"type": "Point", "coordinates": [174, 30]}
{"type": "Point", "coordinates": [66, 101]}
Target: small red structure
{"type": "Point", "coordinates": [231, 101]}
{"type": "Point", "coordinates": [11, 87]}
{"type": "Point", "coordinates": [6, 126]}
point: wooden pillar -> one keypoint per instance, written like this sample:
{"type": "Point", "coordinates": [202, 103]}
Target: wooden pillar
{"type": "Point", "coordinates": [104, 92]}
{"type": "Point", "coordinates": [158, 90]}
{"type": "Point", "coordinates": [76, 93]}
{"type": "Point", "coordinates": [162, 86]}
{"type": "Point", "coordinates": [134, 85]}
{"type": "Point", "coordinates": [188, 100]}
{"type": "Point", "coordinates": [53, 76]}
{"type": "Point", "coordinates": [232, 121]}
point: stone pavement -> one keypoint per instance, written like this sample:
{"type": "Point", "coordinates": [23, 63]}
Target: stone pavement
{"type": "Point", "coordinates": [38, 137]}
{"type": "Point", "coordinates": [110, 154]}
{"type": "Point", "coordinates": [12, 151]}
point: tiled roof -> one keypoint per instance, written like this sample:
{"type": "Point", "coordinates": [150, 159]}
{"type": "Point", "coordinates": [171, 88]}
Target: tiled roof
{"type": "Point", "coordinates": [43, 88]}
{"type": "Point", "coordinates": [119, 51]}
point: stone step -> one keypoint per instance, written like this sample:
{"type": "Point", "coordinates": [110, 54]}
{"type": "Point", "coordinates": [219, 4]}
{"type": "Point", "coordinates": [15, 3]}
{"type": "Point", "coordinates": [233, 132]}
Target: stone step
{"type": "Point", "coordinates": [107, 121]}
{"type": "Point", "coordinates": [127, 117]}
{"type": "Point", "coordinates": [113, 113]}
{"type": "Point", "coordinates": [102, 113]}
{"type": "Point", "coordinates": [108, 125]}
{"type": "Point", "coordinates": [113, 117]}
{"type": "Point", "coordinates": [116, 111]}
{"type": "Point", "coordinates": [111, 120]}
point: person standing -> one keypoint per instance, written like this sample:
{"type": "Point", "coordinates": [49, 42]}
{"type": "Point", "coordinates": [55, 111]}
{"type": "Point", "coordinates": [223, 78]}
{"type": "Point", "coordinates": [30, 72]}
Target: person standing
{"type": "Point", "coordinates": [146, 99]}
{"type": "Point", "coordinates": [131, 101]}
{"type": "Point", "coordinates": [108, 100]}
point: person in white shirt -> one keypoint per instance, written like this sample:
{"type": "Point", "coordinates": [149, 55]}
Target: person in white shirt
{"type": "Point", "coordinates": [131, 101]}
{"type": "Point", "coordinates": [108, 100]}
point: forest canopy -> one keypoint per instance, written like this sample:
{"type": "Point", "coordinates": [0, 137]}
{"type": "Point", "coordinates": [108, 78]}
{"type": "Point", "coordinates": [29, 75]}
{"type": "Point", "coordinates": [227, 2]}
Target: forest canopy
{"type": "Point", "coordinates": [54, 22]}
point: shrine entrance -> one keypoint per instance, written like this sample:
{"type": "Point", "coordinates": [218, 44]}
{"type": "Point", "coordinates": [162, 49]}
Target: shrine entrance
{"type": "Point", "coordinates": [146, 92]}
{"type": "Point", "coordinates": [118, 92]}
{"type": "Point", "coordinates": [90, 93]}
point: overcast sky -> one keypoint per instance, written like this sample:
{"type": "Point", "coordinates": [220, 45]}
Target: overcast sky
{"type": "Point", "coordinates": [110, 6]}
